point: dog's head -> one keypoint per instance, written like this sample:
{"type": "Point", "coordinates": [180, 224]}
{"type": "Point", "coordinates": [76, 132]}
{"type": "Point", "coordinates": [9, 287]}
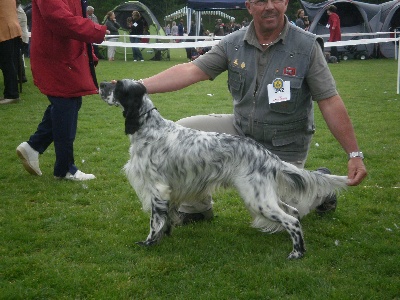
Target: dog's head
{"type": "Point", "coordinates": [118, 93]}
{"type": "Point", "coordinates": [128, 94]}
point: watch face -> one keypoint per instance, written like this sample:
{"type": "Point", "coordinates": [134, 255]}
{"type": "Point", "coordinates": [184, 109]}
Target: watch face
{"type": "Point", "coordinates": [356, 154]}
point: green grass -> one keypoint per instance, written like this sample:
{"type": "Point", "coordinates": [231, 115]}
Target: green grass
{"type": "Point", "coordinates": [68, 240]}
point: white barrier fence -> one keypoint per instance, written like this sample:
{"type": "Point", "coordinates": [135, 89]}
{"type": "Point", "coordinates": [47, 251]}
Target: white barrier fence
{"type": "Point", "coordinates": [205, 41]}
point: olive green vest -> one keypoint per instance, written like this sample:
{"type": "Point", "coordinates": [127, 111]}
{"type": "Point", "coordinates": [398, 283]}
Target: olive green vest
{"type": "Point", "coordinates": [285, 128]}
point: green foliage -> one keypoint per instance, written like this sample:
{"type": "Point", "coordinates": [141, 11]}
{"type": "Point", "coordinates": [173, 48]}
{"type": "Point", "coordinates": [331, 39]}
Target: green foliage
{"type": "Point", "coordinates": [71, 240]}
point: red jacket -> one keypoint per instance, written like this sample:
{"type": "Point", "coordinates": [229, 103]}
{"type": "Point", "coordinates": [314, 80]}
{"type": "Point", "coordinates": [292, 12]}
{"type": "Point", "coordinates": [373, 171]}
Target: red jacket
{"type": "Point", "coordinates": [334, 22]}
{"type": "Point", "coordinates": [59, 59]}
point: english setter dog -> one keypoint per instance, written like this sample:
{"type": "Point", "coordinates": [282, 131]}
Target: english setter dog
{"type": "Point", "coordinates": [170, 164]}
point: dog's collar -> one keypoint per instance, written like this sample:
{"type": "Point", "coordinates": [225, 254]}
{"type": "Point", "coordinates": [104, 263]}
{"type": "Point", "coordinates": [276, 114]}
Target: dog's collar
{"type": "Point", "coordinates": [145, 113]}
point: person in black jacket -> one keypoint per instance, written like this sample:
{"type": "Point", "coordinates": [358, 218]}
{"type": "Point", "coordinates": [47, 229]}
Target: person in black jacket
{"type": "Point", "coordinates": [136, 26]}
{"type": "Point", "coordinates": [192, 32]}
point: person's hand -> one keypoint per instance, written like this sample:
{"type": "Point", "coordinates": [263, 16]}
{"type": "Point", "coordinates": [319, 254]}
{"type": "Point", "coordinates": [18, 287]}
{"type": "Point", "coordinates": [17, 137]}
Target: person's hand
{"type": "Point", "coordinates": [107, 31]}
{"type": "Point", "coordinates": [356, 171]}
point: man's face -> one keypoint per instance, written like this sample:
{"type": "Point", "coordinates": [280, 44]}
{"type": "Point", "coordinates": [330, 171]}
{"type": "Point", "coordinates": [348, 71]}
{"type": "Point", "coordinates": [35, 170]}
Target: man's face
{"type": "Point", "coordinates": [90, 12]}
{"type": "Point", "coordinates": [268, 15]}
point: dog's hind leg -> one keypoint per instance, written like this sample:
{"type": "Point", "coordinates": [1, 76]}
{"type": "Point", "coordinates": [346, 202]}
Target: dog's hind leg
{"type": "Point", "coordinates": [269, 216]}
{"type": "Point", "coordinates": [293, 227]}
{"type": "Point", "coordinates": [289, 210]}
{"type": "Point", "coordinates": [160, 222]}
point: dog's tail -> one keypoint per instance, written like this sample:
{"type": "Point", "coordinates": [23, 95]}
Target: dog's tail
{"type": "Point", "coordinates": [304, 189]}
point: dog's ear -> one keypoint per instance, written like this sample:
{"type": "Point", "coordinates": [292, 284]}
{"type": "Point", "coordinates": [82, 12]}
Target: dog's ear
{"type": "Point", "coordinates": [140, 88]}
{"type": "Point", "coordinates": [134, 100]}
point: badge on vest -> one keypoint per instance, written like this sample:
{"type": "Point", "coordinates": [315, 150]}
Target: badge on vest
{"type": "Point", "coordinates": [289, 71]}
{"type": "Point", "coordinates": [278, 91]}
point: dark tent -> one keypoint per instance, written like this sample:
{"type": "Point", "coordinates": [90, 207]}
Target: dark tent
{"type": "Point", "coordinates": [390, 18]}
{"type": "Point", "coordinates": [355, 17]}
{"type": "Point", "coordinates": [124, 10]}
{"type": "Point", "coordinates": [215, 4]}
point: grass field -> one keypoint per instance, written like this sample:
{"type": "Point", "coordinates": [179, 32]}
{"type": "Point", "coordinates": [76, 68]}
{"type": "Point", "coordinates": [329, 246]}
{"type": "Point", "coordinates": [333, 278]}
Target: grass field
{"type": "Point", "coordinates": [69, 240]}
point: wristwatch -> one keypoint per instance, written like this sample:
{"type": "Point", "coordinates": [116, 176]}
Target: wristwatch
{"type": "Point", "coordinates": [356, 154]}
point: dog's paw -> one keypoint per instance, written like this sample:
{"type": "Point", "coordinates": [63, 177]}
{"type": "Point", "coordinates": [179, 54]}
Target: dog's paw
{"type": "Point", "coordinates": [146, 243]}
{"type": "Point", "coordinates": [295, 255]}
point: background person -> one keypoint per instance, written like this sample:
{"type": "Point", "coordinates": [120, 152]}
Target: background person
{"type": "Point", "coordinates": [192, 32]}
{"type": "Point", "coordinates": [283, 127]}
{"type": "Point", "coordinates": [181, 30]}
{"type": "Point", "coordinates": [302, 21]}
{"type": "Point", "coordinates": [90, 15]}
{"type": "Point", "coordinates": [63, 70]}
{"type": "Point", "coordinates": [24, 43]}
{"type": "Point", "coordinates": [174, 29]}
{"type": "Point", "coordinates": [10, 39]}
{"type": "Point", "coordinates": [335, 34]}
{"type": "Point", "coordinates": [112, 26]}
{"type": "Point", "coordinates": [136, 27]}
{"type": "Point", "coordinates": [219, 28]}
{"type": "Point", "coordinates": [168, 29]}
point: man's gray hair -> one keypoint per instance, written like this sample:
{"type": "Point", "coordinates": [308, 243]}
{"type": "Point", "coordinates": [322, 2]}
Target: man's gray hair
{"type": "Point", "coordinates": [89, 8]}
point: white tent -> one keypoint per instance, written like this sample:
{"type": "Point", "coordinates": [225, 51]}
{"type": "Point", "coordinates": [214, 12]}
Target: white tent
{"type": "Point", "coordinates": [185, 11]}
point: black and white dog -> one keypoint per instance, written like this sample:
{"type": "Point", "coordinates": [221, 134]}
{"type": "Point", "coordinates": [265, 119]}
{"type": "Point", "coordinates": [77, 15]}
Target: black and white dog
{"type": "Point", "coordinates": [170, 164]}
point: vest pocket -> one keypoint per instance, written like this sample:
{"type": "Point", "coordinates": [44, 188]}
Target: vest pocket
{"type": "Point", "coordinates": [236, 83]}
{"type": "Point", "coordinates": [290, 106]}
{"type": "Point", "coordinates": [286, 138]}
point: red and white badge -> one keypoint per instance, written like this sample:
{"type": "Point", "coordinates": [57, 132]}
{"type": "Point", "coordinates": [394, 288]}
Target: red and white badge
{"type": "Point", "coordinates": [289, 71]}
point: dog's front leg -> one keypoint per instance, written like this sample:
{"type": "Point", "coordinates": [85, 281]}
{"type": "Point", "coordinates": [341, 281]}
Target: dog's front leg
{"type": "Point", "coordinates": [160, 222]}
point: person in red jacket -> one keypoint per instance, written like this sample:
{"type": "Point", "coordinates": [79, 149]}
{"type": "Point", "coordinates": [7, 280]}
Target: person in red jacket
{"type": "Point", "coordinates": [334, 29]}
{"type": "Point", "coordinates": [62, 63]}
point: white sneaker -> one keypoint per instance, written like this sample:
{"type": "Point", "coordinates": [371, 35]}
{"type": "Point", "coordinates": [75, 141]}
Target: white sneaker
{"type": "Point", "coordinates": [142, 60]}
{"type": "Point", "coordinates": [29, 158]}
{"type": "Point", "coordinates": [79, 176]}
{"type": "Point", "coordinates": [9, 101]}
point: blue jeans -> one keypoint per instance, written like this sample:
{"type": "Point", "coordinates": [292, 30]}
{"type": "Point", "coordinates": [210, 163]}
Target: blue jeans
{"type": "Point", "coordinates": [137, 54]}
{"type": "Point", "coordinates": [59, 124]}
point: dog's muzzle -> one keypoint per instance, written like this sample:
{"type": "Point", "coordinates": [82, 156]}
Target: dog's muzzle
{"type": "Point", "coordinates": [106, 92]}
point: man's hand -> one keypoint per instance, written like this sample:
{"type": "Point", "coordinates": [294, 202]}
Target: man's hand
{"type": "Point", "coordinates": [356, 171]}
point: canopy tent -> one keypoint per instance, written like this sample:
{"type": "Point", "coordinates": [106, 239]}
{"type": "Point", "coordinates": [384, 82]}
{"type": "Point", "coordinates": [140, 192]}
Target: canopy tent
{"type": "Point", "coordinates": [211, 5]}
{"type": "Point", "coordinates": [355, 17]}
{"type": "Point", "coordinates": [390, 18]}
{"type": "Point", "coordinates": [124, 10]}
{"type": "Point", "coordinates": [185, 10]}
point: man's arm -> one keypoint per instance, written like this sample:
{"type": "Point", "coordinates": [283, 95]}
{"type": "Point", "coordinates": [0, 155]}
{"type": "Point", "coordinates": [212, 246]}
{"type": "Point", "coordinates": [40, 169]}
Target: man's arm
{"type": "Point", "coordinates": [339, 123]}
{"type": "Point", "coordinates": [174, 78]}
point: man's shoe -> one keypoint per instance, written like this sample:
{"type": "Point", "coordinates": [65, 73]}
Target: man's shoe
{"type": "Point", "coordinates": [78, 176]}
{"type": "Point", "coordinates": [187, 218]}
{"type": "Point", "coordinates": [29, 158]}
{"type": "Point", "coordinates": [9, 101]}
{"type": "Point", "coordinates": [329, 204]}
